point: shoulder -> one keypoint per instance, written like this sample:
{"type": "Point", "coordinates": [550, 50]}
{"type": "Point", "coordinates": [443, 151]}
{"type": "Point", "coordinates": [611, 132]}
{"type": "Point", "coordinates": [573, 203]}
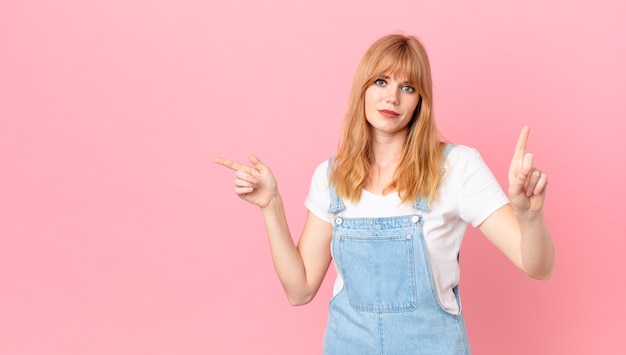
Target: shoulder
{"type": "Point", "coordinates": [462, 155]}
{"type": "Point", "coordinates": [465, 165]}
{"type": "Point", "coordinates": [318, 199]}
{"type": "Point", "coordinates": [322, 169]}
{"type": "Point", "coordinates": [320, 174]}
{"type": "Point", "coordinates": [460, 151]}
{"type": "Point", "coordinates": [473, 184]}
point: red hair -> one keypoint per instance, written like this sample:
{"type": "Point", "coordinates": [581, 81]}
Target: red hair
{"type": "Point", "coordinates": [418, 173]}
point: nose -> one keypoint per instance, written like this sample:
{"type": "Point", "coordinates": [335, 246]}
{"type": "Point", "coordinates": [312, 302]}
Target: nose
{"type": "Point", "coordinates": [391, 96]}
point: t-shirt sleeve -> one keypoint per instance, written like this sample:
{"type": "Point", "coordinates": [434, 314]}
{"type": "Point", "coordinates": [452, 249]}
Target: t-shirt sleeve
{"type": "Point", "coordinates": [318, 199]}
{"type": "Point", "coordinates": [481, 194]}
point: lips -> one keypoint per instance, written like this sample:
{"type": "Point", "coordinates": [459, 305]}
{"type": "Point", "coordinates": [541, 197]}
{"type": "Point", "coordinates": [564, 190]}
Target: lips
{"type": "Point", "coordinates": [388, 113]}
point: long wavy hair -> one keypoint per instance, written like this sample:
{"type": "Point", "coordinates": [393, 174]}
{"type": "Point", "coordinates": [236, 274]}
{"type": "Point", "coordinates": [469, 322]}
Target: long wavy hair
{"type": "Point", "coordinates": [419, 171]}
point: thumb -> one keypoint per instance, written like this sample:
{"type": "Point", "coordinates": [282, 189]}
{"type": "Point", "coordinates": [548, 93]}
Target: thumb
{"type": "Point", "coordinates": [254, 160]}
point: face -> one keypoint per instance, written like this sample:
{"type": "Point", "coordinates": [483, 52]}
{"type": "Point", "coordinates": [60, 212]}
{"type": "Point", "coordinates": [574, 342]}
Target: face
{"type": "Point", "coordinates": [389, 104]}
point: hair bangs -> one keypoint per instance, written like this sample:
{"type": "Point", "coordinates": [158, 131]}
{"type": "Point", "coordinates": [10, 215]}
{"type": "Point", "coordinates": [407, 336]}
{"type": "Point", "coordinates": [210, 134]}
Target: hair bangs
{"type": "Point", "coordinates": [399, 61]}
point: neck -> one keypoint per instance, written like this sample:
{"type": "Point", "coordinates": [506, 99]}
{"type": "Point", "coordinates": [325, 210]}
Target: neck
{"type": "Point", "coordinates": [385, 157]}
{"type": "Point", "coordinates": [387, 150]}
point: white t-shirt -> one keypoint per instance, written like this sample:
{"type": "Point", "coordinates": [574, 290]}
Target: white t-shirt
{"type": "Point", "coordinates": [468, 194]}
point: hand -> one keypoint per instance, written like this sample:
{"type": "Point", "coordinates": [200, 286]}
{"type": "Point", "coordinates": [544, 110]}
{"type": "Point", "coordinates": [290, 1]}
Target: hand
{"type": "Point", "coordinates": [527, 184]}
{"type": "Point", "coordinates": [255, 183]}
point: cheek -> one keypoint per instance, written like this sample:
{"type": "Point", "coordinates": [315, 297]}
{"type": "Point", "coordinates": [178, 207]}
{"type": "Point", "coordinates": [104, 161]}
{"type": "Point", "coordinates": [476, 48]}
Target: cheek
{"type": "Point", "coordinates": [370, 99]}
{"type": "Point", "coordinates": [370, 96]}
{"type": "Point", "coordinates": [411, 105]}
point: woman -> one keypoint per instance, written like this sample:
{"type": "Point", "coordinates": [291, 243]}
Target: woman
{"type": "Point", "coordinates": [391, 209]}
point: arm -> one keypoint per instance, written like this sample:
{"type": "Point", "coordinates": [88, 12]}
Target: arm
{"type": "Point", "coordinates": [300, 268]}
{"type": "Point", "coordinates": [519, 229]}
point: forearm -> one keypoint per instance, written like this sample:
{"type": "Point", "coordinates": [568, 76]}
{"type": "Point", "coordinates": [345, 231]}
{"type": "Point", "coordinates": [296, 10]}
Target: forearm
{"type": "Point", "coordinates": [536, 245]}
{"type": "Point", "coordinates": [287, 260]}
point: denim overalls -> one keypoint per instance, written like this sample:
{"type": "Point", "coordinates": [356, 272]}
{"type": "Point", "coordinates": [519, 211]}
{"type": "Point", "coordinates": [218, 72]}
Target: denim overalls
{"type": "Point", "coordinates": [388, 304]}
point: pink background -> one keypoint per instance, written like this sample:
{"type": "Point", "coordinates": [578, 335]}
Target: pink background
{"type": "Point", "coordinates": [119, 236]}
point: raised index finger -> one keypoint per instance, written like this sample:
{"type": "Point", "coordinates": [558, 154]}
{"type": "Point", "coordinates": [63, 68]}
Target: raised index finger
{"type": "Point", "coordinates": [228, 163]}
{"type": "Point", "coordinates": [520, 149]}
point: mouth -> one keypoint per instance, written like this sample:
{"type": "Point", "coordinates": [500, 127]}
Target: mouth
{"type": "Point", "coordinates": [389, 113]}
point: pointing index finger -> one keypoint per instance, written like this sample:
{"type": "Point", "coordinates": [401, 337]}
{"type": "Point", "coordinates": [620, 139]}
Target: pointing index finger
{"type": "Point", "coordinates": [520, 149]}
{"type": "Point", "coordinates": [228, 163]}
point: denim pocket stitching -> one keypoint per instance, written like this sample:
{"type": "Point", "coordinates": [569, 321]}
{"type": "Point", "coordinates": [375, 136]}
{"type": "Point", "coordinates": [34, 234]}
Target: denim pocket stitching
{"type": "Point", "coordinates": [372, 297]}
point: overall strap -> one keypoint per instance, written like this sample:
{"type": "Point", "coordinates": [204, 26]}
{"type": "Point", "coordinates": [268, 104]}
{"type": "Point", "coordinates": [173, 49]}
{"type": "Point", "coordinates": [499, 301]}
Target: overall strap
{"type": "Point", "coordinates": [336, 205]}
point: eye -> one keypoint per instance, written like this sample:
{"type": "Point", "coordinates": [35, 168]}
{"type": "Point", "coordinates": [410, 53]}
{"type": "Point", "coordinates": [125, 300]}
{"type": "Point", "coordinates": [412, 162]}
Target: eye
{"type": "Point", "coordinates": [408, 89]}
{"type": "Point", "coordinates": [380, 82]}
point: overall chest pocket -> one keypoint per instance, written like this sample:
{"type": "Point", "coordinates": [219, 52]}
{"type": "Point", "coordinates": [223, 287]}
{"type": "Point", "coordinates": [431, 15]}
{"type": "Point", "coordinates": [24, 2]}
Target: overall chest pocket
{"type": "Point", "coordinates": [379, 272]}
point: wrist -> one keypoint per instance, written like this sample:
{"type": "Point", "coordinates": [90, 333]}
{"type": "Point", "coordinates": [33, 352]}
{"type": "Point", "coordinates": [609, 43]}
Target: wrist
{"type": "Point", "coordinates": [273, 203]}
{"type": "Point", "coordinates": [528, 216]}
